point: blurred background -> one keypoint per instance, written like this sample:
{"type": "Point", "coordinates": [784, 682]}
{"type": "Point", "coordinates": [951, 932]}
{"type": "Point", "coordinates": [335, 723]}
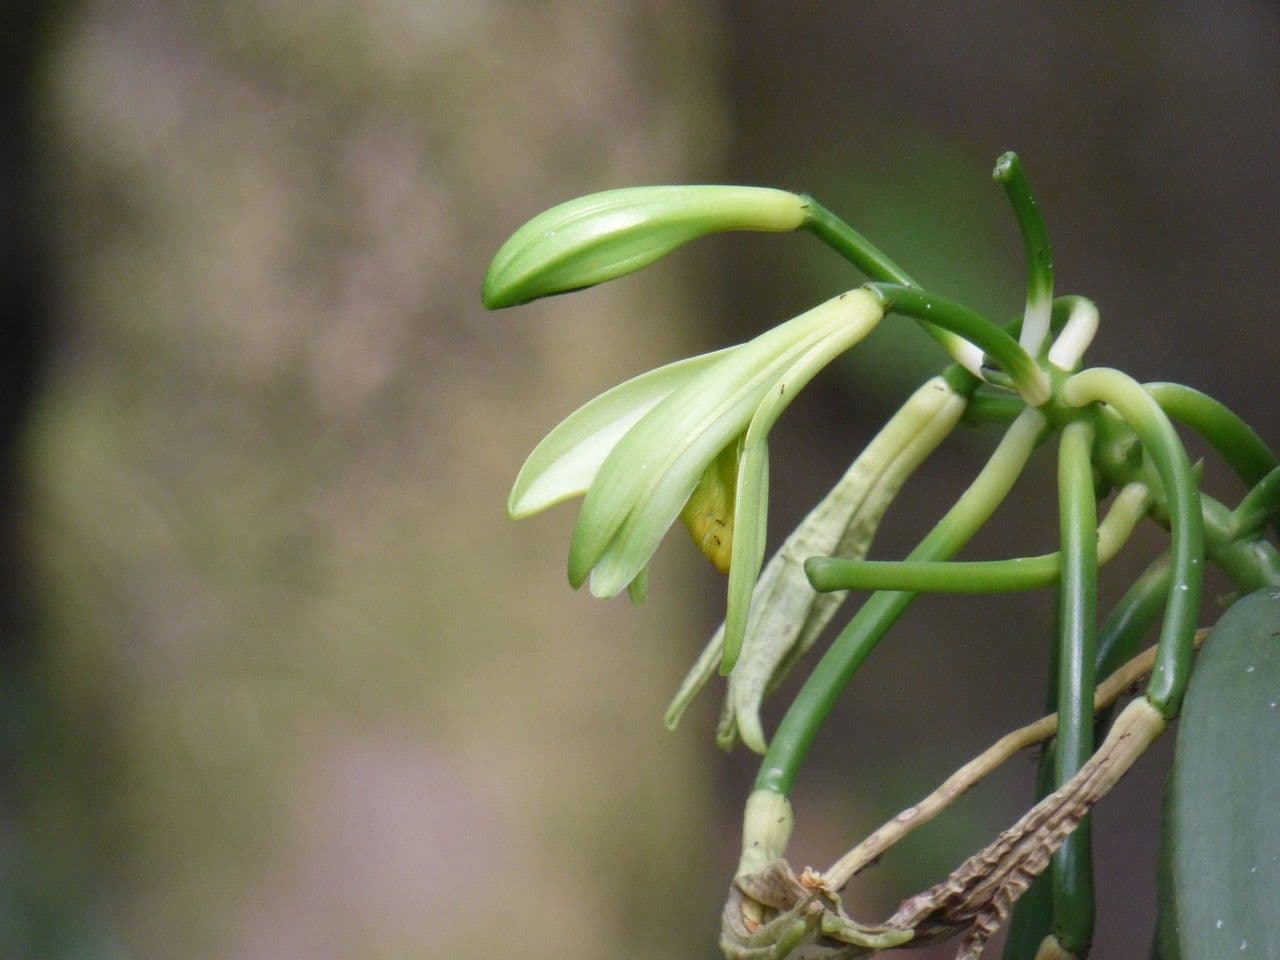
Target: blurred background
{"type": "Point", "coordinates": [280, 680]}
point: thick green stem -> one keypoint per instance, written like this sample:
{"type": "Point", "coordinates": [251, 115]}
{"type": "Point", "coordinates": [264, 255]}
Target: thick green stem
{"type": "Point", "coordinates": [976, 576]}
{"type": "Point", "coordinates": [993, 408]}
{"type": "Point", "coordinates": [1231, 540]}
{"type": "Point", "coordinates": [1173, 663]}
{"type": "Point", "coordinates": [1233, 439]}
{"type": "Point", "coordinates": [874, 263]}
{"type": "Point", "coordinates": [1035, 325]}
{"type": "Point", "coordinates": [933, 576]}
{"type": "Point", "coordinates": [1028, 379]}
{"type": "Point", "coordinates": [1260, 506]}
{"type": "Point", "coordinates": [1073, 321]}
{"type": "Point", "coordinates": [1118, 640]}
{"type": "Point", "coordinates": [852, 245]}
{"type": "Point", "coordinates": [1252, 562]}
{"type": "Point", "coordinates": [1131, 617]}
{"type": "Point", "coordinates": [836, 668]}
{"type": "Point", "coordinates": [1072, 867]}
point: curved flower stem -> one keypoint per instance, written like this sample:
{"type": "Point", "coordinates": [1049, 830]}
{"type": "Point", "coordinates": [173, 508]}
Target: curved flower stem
{"type": "Point", "coordinates": [1072, 867]}
{"type": "Point", "coordinates": [872, 261]}
{"type": "Point", "coordinates": [1073, 321]}
{"type": "Point", "coordinates": [1029, 380]}
{"type": "Point", "coordinates": [1233, 439]}
{"type": "Point", "coordinates": [1077, 332]}
{"type": "Point", "coordinates": [1252, 562]}
{"type": "Point", "coordinates": [850, 244]}
{"type": "Point", "coordinates": [1260, 506]}
{"type": "Point", "coordinates": [1148, 421]}
{"type": "Point", "coordinates": [999, 408]}
{"type": "Point", "coordinates": [978, 576]}
{"type": "Point", "coordinates": [1035, 325]}
{"type": "Point", "coordinates": [1132, 617]}
{"type": "Point", "coordinates": [856, 641]}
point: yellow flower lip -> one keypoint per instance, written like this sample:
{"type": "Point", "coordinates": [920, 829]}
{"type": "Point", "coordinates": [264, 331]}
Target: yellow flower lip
{"type": "Point", "coordinates": [607, 235]}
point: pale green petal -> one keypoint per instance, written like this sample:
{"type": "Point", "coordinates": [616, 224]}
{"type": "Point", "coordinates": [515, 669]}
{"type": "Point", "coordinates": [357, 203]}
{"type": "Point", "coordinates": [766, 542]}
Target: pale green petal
{"type": "Point", "coordinates": [718, 400]}
{"type": "Point", "coordinates": [862, 314]}
{"type": "Point", "coordinates": [782, 596]}
{"type": "Point", "coordinates": [749, 533]}
{"type": "Point", "coordinates": [566, 461]}
{"type": "Point", "coordinates": [787, 615]}
{"type": "Point", "coordinates": [607, 235]}
{"type": "Point", "coordinates": [859, 312]}
{"type": "Point", "coordinates": [701, 671]}
{"type": "Point", "coordinates": [639, 536]}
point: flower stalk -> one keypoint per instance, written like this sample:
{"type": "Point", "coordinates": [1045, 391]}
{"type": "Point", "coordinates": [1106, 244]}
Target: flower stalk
{"type": "Point", "coordinates": [1031, 383]}
{"type": "Point", "coordinates": [1072, 865]}
{"type": "Point", "coordinates": [816, 698]}
{"type": "Point", "coordinates": [1035, 236]}
{"type": "Point", "coordinates": [1141, 412]}
{"type": "Point", "coordinates": [979, 576]}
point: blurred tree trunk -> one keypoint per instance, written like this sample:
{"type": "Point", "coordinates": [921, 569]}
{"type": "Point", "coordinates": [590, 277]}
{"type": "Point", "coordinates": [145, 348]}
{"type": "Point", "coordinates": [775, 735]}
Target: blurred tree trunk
{"type": "Point", "coordinates": [320, 698]}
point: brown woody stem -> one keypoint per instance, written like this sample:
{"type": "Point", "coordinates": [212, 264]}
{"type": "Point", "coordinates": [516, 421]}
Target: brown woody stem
{"type": "Point", "coordinates": [975, 770]}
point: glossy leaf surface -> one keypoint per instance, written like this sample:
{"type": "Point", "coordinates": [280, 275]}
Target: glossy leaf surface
{"type": "Point", "coordinates": [1220, 871]}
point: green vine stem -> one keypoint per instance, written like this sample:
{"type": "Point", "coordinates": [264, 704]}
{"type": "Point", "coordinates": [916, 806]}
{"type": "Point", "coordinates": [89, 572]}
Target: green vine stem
{"type": "Point", "coordinates": [978, 576]}
{"type": "Point", "coordinates": [855, 642]}
{"type": "Point", "coordinates": [990, 407]}
{"type": "Point", "coordinates": [1072, 865]}
{"type": "Point", "coordinates": [1119, 639]}
{"type": "Point", "coordinates": [875, 264]}
{"type": "Point", "coordinates": [852, 245]}
{"type": "Point", "coordinates": [1260, 506]}
{"type": "Point", "coordinates": [1233, 439]}
{"type": "Point", "coordinates": [1028, 379]}
{"type": "Point", "coordinates": [1252, 562]}
{"type": "Point", "coordinates": [1143, 414]}
{"type": "Point", "coordinates": [1132, 616]}
{"type": "Point", "coordinates": [1035, 325]}
{"type": "Point", "coordinates": [1243, 553]}
{"type": "Point", "coordinates": [1073, 321]}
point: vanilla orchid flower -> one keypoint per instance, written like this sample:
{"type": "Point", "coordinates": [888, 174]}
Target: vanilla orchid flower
{"type": "Point", "coordinates": [640, 452]}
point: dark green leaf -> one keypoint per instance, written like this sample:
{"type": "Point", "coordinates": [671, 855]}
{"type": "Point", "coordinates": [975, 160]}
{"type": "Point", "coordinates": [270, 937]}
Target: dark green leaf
{"type": "Point", "coordinates": [1220, 871]}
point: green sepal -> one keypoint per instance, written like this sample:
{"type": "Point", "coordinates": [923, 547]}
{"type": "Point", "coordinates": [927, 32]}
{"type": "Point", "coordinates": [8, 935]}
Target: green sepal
{"type": "Point", "coordinates": [649, 475]}
{"type": "Point", "coordinates": [563, 465]}
{"type": "Point", "coordinates": [749, 541]}
{"type": "Point", "coordinates": [607, 235]}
